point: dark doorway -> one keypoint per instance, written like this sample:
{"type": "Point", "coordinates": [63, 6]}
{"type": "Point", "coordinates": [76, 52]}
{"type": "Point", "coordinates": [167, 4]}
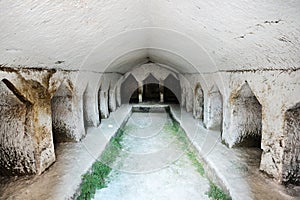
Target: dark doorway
{"type": "Point", "coordinates": [129, 90]}
{"type": "Point", "coordinates": [171, 90]}
{"type": "Point", "coordinates": [247, 118]}
{"type": "Point", "coordinates": [151, 90]}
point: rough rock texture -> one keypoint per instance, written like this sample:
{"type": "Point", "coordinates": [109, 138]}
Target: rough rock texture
{"type": "Point", "coordinates": [187, 93]}
{"type": "Point", "coordinates": [233, 34]}
{"type": "Point", "coordinates": [198, 102]}
{"type": "Point", "coordinates": [291, 157]}
{"type": "Point", "coordinates": [214, 115]}
{"type": "Point", "coordinates": [29, 123]}
{"type": "Point", "coordinates": [107, 93]}
{"type": "Point", "coordinates": [103, 96]}
{"type": "Point", "coordinates": [276, 91]}
{"type": "Point", "coordinates": [246, 114]}
{"type": "Point", "coordinates": [90, 100]}
{"type": "Point", "coordinates": [63, 115]}
{"type": "Point", "coordinates": [223, 43]}
{"type": "Point", "coordinates": [17, 153]}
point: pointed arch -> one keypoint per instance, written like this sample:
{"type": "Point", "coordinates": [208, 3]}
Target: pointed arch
{"type": "Point", "coordinates": [246, 119]}
{"type": "Point", "coordinates": [151, 90]}
{"type": "Point", "coordinates": [171, 89]}
{"type": "Point", "coordinates": [61, 107]}
{"type": "Point", "coordinates": [129, 90]}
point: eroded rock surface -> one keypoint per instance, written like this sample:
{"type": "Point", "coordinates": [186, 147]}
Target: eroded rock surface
{"type": "Point", "coordinates": [17, 153]}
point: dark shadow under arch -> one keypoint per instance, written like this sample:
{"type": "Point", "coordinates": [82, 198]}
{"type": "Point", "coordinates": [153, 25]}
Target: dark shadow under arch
{"type": "Point", "coordinates": [151, 89]}
{"type": "Point", "coordinates": [129, 90]}
{"type": "Point", "coordinates": [172, 90]}
{"type": "Point", "coordinates": [247, 118]}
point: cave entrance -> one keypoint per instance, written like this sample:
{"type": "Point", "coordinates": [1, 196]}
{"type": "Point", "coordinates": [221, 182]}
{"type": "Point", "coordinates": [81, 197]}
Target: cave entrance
{"type": "Point", "coordinates": [246, 118]}
{"type": "Point", "coordinates": [291, 157]}
{"type": "Point", "coordinates": [129, 90]}
{"type": "Point", "coordinates": [151, 91]}
{"type": "Point", "coordinates": [171, 90]}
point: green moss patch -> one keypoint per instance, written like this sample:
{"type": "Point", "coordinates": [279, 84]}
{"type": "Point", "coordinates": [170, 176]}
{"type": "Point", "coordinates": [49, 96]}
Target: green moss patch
{"type": "Point", "coordinates": [217, 193]}
{"type": "Point", "coordinates": [175, 129]}
{"type": "Point", "coordinates": [96, 178]}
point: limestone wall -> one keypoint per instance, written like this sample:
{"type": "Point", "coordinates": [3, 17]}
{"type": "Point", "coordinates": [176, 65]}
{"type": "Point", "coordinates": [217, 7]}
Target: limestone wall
{"type": "Point", "coordinates": [39, 107]}
{"type": "Point", "coordinates": [250, 108]}
{"type": "Point", "coordinates": [17, 154]}
{"type": "Point", "coordinates": [28, 124]}
{"type": "Point", "coordinates": [87, 46]}
{"type": "Point", "coordinates": [291, 156]}
{"type": "Point", "coordinates": [214, 115]}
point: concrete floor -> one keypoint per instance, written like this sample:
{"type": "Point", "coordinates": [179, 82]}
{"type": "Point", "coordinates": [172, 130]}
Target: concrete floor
{"type": "Point", "coordinates": [153, 164]}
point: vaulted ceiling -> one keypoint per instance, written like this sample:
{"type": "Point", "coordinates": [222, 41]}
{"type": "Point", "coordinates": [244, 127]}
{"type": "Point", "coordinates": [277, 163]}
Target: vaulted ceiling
{"type": "Point", "coordinates": [115, 35]}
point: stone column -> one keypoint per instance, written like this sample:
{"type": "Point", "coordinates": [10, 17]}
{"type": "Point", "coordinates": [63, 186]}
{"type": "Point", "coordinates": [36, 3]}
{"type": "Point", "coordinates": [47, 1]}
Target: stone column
{"type": "Point", "coordinates": [104, 104]}
{"type": "Point", "coordinates": [214, 113]}
{"type": "Point", "coordinates": [140, 91]}
{"type": "Point", "coordinates": [25, 123]}
{"type": "Point", "coordinates": [67, 112]}
{"type": "Point", "coordinates": [161, 91]}
{"type": "Point", "coordinates": [112, 100]}
{"type": "Point", "coordinates": [189, 100]}
{"type": "Point", "coordinates": [90, 104]}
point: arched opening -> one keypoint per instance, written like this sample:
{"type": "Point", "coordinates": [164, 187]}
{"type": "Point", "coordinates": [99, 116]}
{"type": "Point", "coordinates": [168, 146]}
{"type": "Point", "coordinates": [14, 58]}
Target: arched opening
{"type": "Point", "coordinates": [17, 156]}
{"type": "Point", "coordinates": [198, 102]}
{"type": "Point", "coordinates": [246, 118]}
{"type": "Point", "coordinates": [214, 109]}
{"type": "Point", "coordinates": [291, 157]}
{"type": "Point", "coordinates": [151, 91]}
{"type": "Point", "coordinates": [171, 90]}
{"type": "Point", "coordinates": [62, 115]}
{"type": "Point", "coordinates": [129, 90]}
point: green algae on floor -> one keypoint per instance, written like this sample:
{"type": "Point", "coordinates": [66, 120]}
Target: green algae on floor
{"type": "Point", "coordinates": [174, 128]}
{"type": "Point", "coordinates": [217, 193]}
{"type": "Point", "coordinates": [151, 157]}
{"type": "Point", "coordinates": [96, 178]}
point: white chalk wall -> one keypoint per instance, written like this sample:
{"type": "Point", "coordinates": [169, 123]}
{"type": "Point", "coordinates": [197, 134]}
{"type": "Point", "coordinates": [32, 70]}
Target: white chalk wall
{"type": "Point", "coordinates": [92, 35]}
{"type": "Point", "coordinates": [93, 38]}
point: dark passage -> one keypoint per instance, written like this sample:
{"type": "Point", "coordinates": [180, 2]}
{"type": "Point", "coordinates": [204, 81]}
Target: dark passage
{"type": "Point", "coordinates": [151, 90]}
{"type": "Point", "coordinates": [129, 90]}
{"type": "Point", "coordinates": [171, 90]}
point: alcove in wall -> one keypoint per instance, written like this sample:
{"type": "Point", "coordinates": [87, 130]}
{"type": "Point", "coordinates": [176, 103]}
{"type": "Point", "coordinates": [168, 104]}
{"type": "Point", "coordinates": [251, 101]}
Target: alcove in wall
{"type": "Point", "coordinates": [291, 157]}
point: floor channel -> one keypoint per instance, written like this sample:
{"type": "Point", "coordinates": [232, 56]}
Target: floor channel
{"type": "Point", "coordinates": [150, 158]}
